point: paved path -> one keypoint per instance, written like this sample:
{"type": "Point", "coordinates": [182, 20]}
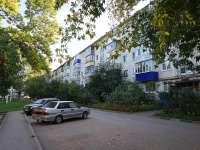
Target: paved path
{"type": "Point", "coordinates": [107, 130]}
{"type": "Point", "coordinates": [17, 134]}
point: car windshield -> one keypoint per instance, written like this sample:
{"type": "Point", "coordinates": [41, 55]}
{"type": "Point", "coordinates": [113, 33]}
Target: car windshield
{"type": "Point", "coordinates": [51, 104]}
{"type": "Point", "coordinates": [40, 101]}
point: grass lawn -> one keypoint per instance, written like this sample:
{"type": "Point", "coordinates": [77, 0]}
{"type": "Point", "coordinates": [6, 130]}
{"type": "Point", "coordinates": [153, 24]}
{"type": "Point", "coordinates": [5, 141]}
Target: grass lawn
{"type": "Point", "coordinates": [14, 105]}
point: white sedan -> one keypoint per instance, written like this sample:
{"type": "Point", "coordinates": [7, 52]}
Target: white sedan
{"type": "Point", "coordinates": [57, 111]}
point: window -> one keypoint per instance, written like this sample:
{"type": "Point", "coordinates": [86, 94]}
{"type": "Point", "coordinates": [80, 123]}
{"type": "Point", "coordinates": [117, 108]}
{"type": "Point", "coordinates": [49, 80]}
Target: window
{"type": "Point", "coordinates": [111, 46]}
{"type": "Point", "coordinates": [125, 58]}
{"type": "Point", "coordinates": [125, 73]}
{"type": "Point", "coordinates": [133, 55]}
{"type": "Point", "coordinates": [145, 66]}
{"type": "Point", "coordinates": [89, 51]}
{"type": "Point", "coordinates": [89, 58]}
{"type": "Point", "coordinates": [63, 106]}
{"type": "Point", "coordinates": [73, 105]}
{"type": "Point", "coordinates": [96, 57]}
{"type": "Point", "coordinates": [166, 66]}
{"type": "Point", "coordinates": [102, 48]}
{"type": "Point", "coordinates": [166, 87]}
{"type": "Point", "coordinates": [89, 69]}
{"type": "Point", "coordinates": [139, 52]}
{"type": "Point", "coordinates": [102, 58]}
{"type": "Point", "coordinates": [134, 71]}
{"type": "Point", "coordinates": [183, 69]}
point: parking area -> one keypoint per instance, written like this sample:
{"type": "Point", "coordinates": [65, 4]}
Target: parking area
{"type": "Point", "coordinates": [113, 130]}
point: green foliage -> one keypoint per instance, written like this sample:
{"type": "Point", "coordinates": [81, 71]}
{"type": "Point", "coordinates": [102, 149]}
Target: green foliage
{"type": "Point", "coordinates": [63, 90]}
{"type": "Point", "coordinates": [84, 96]}
{"type": "Point", "coordinates": [26, 42]}
{"type": "Point", "coordinates": [103, 95]}
{"type": "Point", "coordinates": [8, 8]}
{"type": "Point", "coordinates": [151, 88]}
{"type": "Point", "coordinates": [162, 31]}
{"type": "Point", "coordinates": [37, 87]}
{"type": "Point", "coordinates": [189, 102]}
{"type": "Point", "coordinates": [105, 78]}
{"type": "Point", "coordinates": [10, 63]}
{"type": "Point", "coordinates": [184, 104]}
{"type": "Point", "coordinates": [72, 92]}
{"type": "Point", "coordinates": [129, 92]}
{"type": "Point", "coordinates": [124, 107]}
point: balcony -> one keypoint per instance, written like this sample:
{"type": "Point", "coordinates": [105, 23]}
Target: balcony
{"type": "Point", "coordinates": [148, 76]}
{"type": "Point", "coordinates": [67, 67]}
{"type": "Point", "coordinates": [77, 61]}
{"type": "Point", "coordinates": [76, 70]}
{"type": "Point", "coordinates": [89, 64]}
{"type": "Point", "coordinates": [88, 74]}
{"type": "Point", "coordinates": [87, 85]}
{"type": "Point", "coordinates": [77, 78]}
{"type": "Point", "coordinates": [67, 74]}
{"type": "Point", "coordinates": [143, 57]}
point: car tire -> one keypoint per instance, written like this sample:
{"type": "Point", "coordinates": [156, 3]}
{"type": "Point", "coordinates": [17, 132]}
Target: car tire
{"type": "Point", "coordinates": [85, 115]}
{"type": "Point", "coordinates": [58, 119]}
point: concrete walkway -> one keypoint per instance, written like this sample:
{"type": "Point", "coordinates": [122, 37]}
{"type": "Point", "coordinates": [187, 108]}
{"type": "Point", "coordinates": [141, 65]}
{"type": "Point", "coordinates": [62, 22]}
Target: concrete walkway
{"type": "Point", "coordinates": [16, 133]}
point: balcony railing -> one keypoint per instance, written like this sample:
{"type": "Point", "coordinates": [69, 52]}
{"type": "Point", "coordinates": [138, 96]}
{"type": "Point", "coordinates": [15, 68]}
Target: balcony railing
{"type": "Point", "coordinates": [77, 61]}
{"type": "Point", "coordinates": [148, 76]}
{"type": "Point", "coordinates": [76, 70]}
{"type": "Point", "coordinates": [77, 78]}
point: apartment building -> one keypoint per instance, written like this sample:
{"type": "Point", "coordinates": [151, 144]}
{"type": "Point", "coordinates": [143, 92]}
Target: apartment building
{"type": "Point", "coordinates": [138, 66]}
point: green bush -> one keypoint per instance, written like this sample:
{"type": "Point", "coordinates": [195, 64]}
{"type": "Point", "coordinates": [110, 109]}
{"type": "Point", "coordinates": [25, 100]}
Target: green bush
{"type": "Point", "coordinates": [129, 92]}
{"type": "Point", "coordinates": [124, 107]}
{"type": "Point", "coordinates": [185, 104]}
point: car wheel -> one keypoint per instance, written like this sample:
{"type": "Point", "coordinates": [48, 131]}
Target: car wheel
{"type": "Point", "coordinates": [84, 115]}
{"type": "Point", "coordinates": [58, 119]}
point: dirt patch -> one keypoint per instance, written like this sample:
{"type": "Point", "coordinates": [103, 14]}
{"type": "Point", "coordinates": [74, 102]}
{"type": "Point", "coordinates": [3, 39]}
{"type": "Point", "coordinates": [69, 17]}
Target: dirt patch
{"type": "Point", "coordinates": [2, 116]}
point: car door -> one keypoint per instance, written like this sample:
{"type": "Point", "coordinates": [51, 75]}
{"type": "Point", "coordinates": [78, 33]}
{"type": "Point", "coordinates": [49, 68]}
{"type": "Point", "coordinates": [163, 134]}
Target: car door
{"type": "Point", "coordinates": [75, 110]}
{"type": "Point", "coordinates": [65, 110]}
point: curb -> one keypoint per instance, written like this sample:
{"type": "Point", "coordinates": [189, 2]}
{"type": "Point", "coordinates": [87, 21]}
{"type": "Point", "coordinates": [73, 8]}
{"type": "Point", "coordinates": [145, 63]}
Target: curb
{"type": "Point", "coordinates": [165, 118]}
{"type": "Point", "coordinates": [39, 147]}
{"type": "Point", "coordinates": [183, 120]}
{"type": "Point", "coordinates": [174, 119]}
{"type": "Point", "coordinates": [4, 119]}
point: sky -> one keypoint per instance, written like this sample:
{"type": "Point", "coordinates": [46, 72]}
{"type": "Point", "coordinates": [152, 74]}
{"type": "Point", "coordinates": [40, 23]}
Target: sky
{"type": "Point", "coordinates": [75, 46]}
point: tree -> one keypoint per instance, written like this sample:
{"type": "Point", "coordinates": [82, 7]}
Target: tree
{"type": "Point", "coordinates": [8, 8]}
{"type": "Point", "coordinates": [169, 29]}
{"type": "Point", "coordinates": [105, 78]}
{"type": "Point", "coordinates": [84, 96]}
{"type": "Point", "coordinates": [27, 40]}
{"type": "Point", "coordinates": [38, 87]}
{"type": "Point", "coordinates": [64, 91]}
{"type": "Point", "coordinates": [10, 64]}
{"type": "Point", "coordinates": [73, 90]}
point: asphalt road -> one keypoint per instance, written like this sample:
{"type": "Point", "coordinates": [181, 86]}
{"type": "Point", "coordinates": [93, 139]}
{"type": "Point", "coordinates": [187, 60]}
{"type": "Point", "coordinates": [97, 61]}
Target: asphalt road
{"type": "Point", "coordinates": [105, 130]}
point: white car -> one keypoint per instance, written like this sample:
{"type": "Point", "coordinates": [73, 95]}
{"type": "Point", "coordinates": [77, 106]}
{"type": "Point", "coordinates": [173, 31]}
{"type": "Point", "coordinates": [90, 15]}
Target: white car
{"type": "Point", "coordinates": [57, 111]}
{"type": "Point", "coordinates": [28, 109]}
